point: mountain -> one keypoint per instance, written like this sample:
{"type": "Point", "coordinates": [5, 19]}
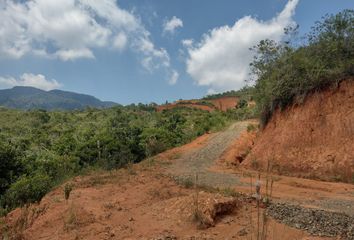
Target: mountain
{"type": "Point", "coordinates": [33, 98]}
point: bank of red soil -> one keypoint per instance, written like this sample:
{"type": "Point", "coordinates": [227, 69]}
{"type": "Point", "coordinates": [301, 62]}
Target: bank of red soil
{"type": "Point", "coordinates": [236, 153]}
{"type": "Point", "coordinates": [314, 139]}
{"type": "Point", "coordinates": [137, 203]}
{"type": "Point", "coordinates": [223, 104]}
{"type": "Point", "coordinates": [188, 105]}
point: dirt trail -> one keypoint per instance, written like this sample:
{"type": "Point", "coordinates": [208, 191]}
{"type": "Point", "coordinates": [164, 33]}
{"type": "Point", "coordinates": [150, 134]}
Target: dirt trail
{"type": "Point", "coordinates": [335, 197]}
{"type": "Point", "coordinates": [201, 159]}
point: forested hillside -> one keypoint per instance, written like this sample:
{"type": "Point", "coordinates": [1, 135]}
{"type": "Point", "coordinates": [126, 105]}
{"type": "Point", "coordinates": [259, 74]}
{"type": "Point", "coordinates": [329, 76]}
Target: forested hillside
{"type": "Point", "coordinates": [39, 149]}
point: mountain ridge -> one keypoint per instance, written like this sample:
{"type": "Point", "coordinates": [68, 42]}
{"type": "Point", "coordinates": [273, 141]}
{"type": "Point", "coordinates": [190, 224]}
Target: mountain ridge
{"type": "Point", "coordinates": [27, 98]}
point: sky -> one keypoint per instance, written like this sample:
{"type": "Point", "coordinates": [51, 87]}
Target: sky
{"type": "Point", "coordinates": [131, 51]}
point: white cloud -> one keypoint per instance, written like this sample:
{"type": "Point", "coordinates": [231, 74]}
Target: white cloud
{"type": "Point", "coordinates": [187, 42]}
{"type": "Point", "coordinates": [73, 29]}
{"type": "Point", "coordinates": [30, 80]}
{"type": "Point", "coordinates": [73, 54]}
{"type": "Point", "coordinates": [221, 59]}
{"type": "Point", "coordinates": [171, 25]}
{"type": "Point", "coordinates": [174, 78]}
{"type": "Point", "coordinates": [120, 41]}
{"type": "Point", "coordinates": [154, 58]}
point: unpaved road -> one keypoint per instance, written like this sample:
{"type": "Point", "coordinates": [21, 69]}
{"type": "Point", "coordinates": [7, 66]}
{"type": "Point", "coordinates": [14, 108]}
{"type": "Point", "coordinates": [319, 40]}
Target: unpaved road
{"type": "Point", "coordinates": [200, 160]}
{"type": "Point", "coordinates": [309, 194]}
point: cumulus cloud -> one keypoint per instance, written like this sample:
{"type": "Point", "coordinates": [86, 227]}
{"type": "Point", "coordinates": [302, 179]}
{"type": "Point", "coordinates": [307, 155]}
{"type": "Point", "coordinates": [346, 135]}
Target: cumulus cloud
{"type": "Point", "coordinates": [221, 59]}
{"type": "Point", "coordinates": [171, 25]}
{"type": "Point", "coordinates": [30, 80]}
{"type": "Point", "coordinates": [174, 78]}
{"type": "Point", "coordinates": [73, 29]}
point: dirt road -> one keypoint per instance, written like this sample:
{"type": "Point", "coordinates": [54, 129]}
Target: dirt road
{"type": "Point", "coordinates": [309, 194]}
{"type": "Point", "coordinates": [200, 160]}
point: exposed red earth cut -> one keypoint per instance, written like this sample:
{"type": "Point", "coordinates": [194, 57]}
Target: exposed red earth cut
{"type": "Point", "coordinates": [314, 139]}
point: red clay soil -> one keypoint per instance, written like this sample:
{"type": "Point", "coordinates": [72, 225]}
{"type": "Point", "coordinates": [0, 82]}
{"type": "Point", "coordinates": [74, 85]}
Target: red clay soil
{"type": "Point", "coordinates": [142, 203]}
{"type": "Point", "coordinates": [223, 104]}
{"type": "Point", "coordinates": [314, 139]}
{"type": "Point", "coordinates": [189, 105]}
{"type": "Point", "coordinates": [137, 203]}
{"type": "Point", "coordinates": [240, 148]}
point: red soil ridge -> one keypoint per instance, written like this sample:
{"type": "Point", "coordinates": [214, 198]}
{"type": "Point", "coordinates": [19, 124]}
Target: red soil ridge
{"type": "Point", "coordinates": [313, 139]}
{"type": "Point", "coordinates": [223, 104]}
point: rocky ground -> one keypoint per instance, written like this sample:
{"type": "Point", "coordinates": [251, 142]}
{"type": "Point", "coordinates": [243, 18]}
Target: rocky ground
{"type": "Point", "coordinates": [315, 221]}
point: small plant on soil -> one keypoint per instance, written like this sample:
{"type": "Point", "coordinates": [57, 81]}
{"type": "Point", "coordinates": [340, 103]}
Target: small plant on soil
{"type": "Point", "coordinates": [251, 127]}
{"type": "Point", "coordinates": [130, 169]}
{"type": "Point", "coordinates": [229, 192]}
{"type": "Point", "coordinates": [67, 190]}
{"type": "Point", "coordinates": [187, 183]}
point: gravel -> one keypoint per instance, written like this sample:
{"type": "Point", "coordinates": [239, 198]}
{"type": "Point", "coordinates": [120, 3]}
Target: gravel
{"type": "Point", "coordinates": [316, 222]}
{"type": "Point", "coordinates": [199, 161]}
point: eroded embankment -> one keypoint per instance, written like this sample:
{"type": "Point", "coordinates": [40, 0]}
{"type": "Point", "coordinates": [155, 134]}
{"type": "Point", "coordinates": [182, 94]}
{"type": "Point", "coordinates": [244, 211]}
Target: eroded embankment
{"type": "Point", "coordinates": [314, 139]}
{"type": "Point", "coordinates": [222, 104]}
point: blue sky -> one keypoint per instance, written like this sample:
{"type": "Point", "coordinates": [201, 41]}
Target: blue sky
{"type": "Point", "coordinates": [131, 51]}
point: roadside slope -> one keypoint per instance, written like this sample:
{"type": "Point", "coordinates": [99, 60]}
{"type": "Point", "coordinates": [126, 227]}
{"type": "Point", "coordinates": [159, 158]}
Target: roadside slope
{"type": "Point", "coordinates": [314, 139]}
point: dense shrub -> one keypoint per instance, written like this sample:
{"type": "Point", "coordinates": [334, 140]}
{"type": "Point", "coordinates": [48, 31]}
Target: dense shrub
{"type": "Point", "coordinates": [286, 73]}
{"type": "Point", "coordinates": [27, 189]}
{"type": "Point", "coordinates": [244, 93]}
{"type": "Point", "coordinates": [10, 166]}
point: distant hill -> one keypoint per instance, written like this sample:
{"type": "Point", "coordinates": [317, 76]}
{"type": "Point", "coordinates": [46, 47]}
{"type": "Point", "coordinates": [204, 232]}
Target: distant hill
{"type": "Point", "coordinates": [221, 103]}
{"type": "Point", "coordinates": [33, 98]}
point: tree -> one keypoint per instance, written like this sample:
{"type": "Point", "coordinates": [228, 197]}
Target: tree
{"type": "Point", "coordinates": [10, 166]}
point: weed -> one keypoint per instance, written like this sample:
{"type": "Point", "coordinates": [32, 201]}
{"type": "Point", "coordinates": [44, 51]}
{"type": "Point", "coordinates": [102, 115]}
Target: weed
{"type": "Point", "coordinates": [3, 211]}
{"type": "Point", "coordinates": [186, 182]}
{"type": "Point", "coordinates": [229, 192]}
{"type": "Point", "coordinates": [67, 190]}
{"type": "Point", "coordinates": [130, 169]}
{"type": "Point", "coordinates": [251, 127]}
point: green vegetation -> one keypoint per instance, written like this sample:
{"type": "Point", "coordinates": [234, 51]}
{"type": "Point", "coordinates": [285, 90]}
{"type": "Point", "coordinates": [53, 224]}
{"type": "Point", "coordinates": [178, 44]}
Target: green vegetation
{"type": "Point", "coordinates": [40, 149]}
{"type": "Point", "coordinates": [286, 72]}
{"type": "Point", "coordinates": [242, 112]}
{"type": "Point", "coordinates": [244, 93]}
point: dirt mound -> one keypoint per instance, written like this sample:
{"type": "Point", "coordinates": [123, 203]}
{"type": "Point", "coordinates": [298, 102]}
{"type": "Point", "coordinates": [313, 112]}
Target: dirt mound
{"type": "Point", "coordinates": [223, 104]}
{"type": "Point", "coordinates": [203, 208]}
{"type": "Point", "coordinates": [313, 139]}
